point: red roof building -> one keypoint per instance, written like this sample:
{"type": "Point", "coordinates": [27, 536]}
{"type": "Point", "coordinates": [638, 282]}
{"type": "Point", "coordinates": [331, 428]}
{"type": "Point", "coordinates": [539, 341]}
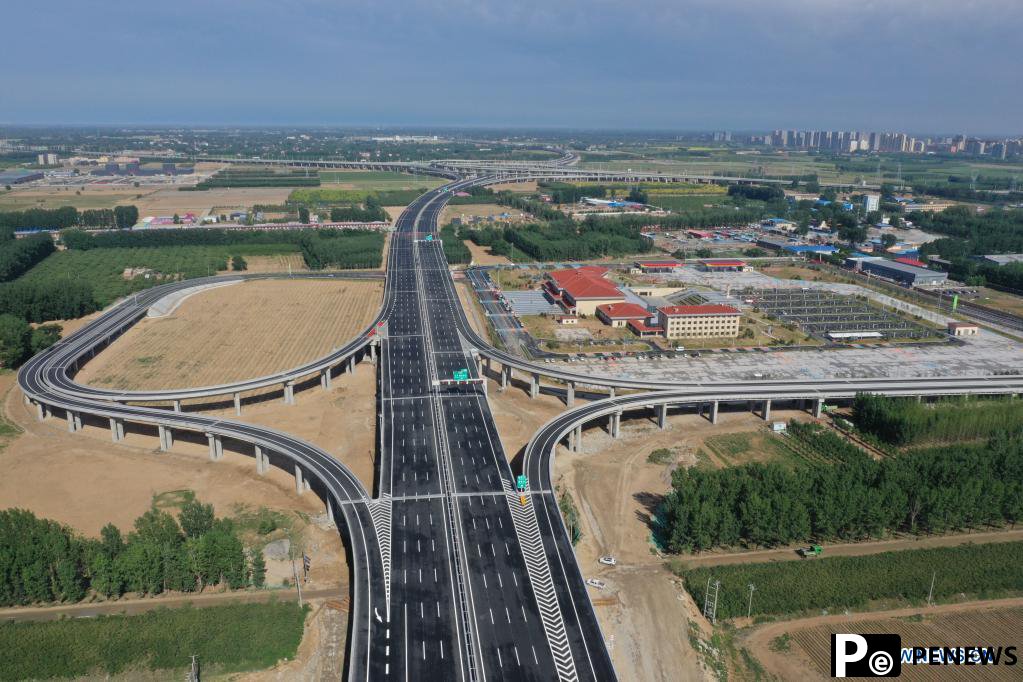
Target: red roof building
{"type": "Point", "coordinates": [641, 329]}
{"type": "Point", "coordinates": [619, 314]}
{"type": "Point", "coordinates": [905, 260]}
{"type": "Point", "coordinates": [657, 265]}
{"type": "Point", "coordinates": [718, 264]}
{"type": "Point", "coordinates": [581, 290]}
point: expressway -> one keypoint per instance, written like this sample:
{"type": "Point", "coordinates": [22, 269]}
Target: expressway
{"type": "Point", "coordinates": [453, 577]}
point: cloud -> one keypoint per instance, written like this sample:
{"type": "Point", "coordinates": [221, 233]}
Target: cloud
{"type": "Point", "coordinates": [911, 64]}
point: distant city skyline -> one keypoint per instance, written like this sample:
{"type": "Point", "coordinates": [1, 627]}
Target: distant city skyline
{"type": "Point", "coordinates": [929, 67]}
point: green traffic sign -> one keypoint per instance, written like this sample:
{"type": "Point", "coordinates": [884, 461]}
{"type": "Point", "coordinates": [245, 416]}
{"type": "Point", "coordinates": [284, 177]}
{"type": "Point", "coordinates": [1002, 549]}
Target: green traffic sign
{"type": "Point", "coordinates": [460, 375]}
{"type": "Point", "coordinates": [521, 482]}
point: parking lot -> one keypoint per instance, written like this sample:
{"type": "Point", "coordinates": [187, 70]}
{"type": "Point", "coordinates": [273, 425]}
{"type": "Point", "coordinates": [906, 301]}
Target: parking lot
{"type": "Point", "coordinates": [820, 312]}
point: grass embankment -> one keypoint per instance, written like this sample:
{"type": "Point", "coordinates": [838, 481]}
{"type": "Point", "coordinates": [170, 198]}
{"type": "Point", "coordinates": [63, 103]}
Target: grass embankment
{"type": "Point", "coordinates": [888, 580]}
{"type": "Point", "coordinates": [225, 638]}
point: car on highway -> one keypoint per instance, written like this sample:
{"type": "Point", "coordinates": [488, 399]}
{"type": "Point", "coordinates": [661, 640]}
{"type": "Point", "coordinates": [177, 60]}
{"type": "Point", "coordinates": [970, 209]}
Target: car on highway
{"type": "Point", "coordinates": [593, 582]}
{"type": "Point", "coordinates": [608, 560]}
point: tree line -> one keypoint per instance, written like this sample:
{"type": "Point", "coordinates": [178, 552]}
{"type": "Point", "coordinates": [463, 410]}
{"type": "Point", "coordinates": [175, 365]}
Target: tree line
{"type": "Point", "coordinates": [904, 421]}
{"type": "Point", "coordinates": [344, 249]}
{"type": "Point", "coordinates": [80, 240]}
{"type": "Point", "coordinates": [121, 217]}
{"type": "Point", "coordinates": [455, 250]}
{"type": "Point", "coordinates": [566, 239]}
{"type": "Point", "coordinates": [19, 341]}
{"type": "Point", "coordinates": [44, 300]}
{"type": "Point", "coordinates": [43, 561]}
{"type": "Point", "coordinates": [18, 255]}
{"type": "Point", "coordinates": [767, 504]}
{"type": "Point", "coordinates": [969, 234]}
{"type": "Point", "coordinates": [757, 192]}
{"type": "Point", "coordinates": [370, 211]}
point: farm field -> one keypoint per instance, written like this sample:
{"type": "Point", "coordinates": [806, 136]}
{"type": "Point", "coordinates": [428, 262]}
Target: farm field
{"type": "Point", "coordinates": [226, 638]}
{"type": "Point", "coordinates": [377, 180]}
{"type": "Point", "coordinates": [916, 169]}
{"type": "Point", "coordinates": [862, 583]}
{"type": "Point", "coordinates": [804, 651]}
{"type": "Point", "coordinates": [282, 262]}
{"type": "Point", "coordinates": [54, 197]}
{"type": "Point", "coordinates": [169, 201]}
{"type": "Point", "coordinates": [214, 337]}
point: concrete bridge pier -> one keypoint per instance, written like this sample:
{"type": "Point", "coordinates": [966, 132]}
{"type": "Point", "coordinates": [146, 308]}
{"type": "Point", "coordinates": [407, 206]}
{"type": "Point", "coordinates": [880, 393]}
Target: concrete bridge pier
{"type": "Point", "coordinates": [579, 438]}
{"type": "Point", "coordinates": [262, 461]}
{"type": "Point", "coordinates": [289, 393]}
{"type": "Point", "coordinates": [349, 368]}
{"type": "Point", "coordinates": [611, 393]}
{"type": "Point", "coordinates": [616, 424]}
{"type": "Point", "coordinates": [116, 429]}
{"type": "Point", "coordinates": [238, 404]}
{"type": "Point", "coordinates": [74, 421]}
{"type": "Point", "coordinates": [41, 411]}
{"type": "Point", "coordinates": [299, 485]}
{"type": "Point", "coordinates": [505, 377]}
{"type": "Point", "coordinates": [818, 408]}
{"type": "Point", "coordinates": [372, 352]}
{"type": "Point", "coordinates": [534, 386]}
{"type": "Point", "coordinates": [216, 447]}
{"type": "Point", "coordinates": [714, 412]}
{"type": "Point", "coordinates": [766, 411]}
{"type": "Point", "coordinates": [325, 379]}
{"type": "Point", "coordinates": [570, 394]}
{"type": "Point", "coordinates": [166, 437]}
{"type": "Point", "coordinates": [177, 405]}
{"type": "Point", "coordinates": [662, 416]}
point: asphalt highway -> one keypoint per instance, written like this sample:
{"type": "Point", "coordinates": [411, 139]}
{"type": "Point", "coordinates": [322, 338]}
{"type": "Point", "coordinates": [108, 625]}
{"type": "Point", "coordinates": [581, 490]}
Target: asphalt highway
{"type": "Point", "coordinates": [454, 578]}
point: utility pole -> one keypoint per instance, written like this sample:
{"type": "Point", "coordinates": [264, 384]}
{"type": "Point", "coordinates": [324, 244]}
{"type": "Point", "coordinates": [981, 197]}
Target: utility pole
{"type": "Point", "coordinates": [749, 609]}
{"type": "Point", "coordinates": [298, 583]}
{"type": "Point", "coordinates": [930, 592]}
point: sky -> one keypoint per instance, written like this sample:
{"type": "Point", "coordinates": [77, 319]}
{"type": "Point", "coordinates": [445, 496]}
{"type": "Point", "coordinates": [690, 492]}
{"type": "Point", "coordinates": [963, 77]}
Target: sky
{"type": "Point", "coordinates": [920, 66]}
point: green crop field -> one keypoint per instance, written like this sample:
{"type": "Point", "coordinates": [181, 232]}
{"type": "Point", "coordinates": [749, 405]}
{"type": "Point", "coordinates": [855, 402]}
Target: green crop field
{"type": "Point", "coordinates": [792, 587]}
{"type": "Point", "coordinates": [226, 639]}
{"type": "Point", "coordinates": [379, 180]}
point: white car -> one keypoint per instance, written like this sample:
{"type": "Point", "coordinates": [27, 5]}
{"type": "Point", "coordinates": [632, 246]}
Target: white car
{"type": "Point", "coordinates": [608, 560]}
{"type": "Point", "coordinates": [593, 582]}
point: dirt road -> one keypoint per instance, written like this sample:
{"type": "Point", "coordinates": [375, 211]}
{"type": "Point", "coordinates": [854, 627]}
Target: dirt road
{"type": "Point", "coordinates": [858, 548]}
{"type": "Point", "coordinates": [129, 607]}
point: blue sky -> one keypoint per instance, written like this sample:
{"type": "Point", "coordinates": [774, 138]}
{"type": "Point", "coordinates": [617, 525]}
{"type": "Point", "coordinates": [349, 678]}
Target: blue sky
{"type": "Point", "coordinates": [914, 65]}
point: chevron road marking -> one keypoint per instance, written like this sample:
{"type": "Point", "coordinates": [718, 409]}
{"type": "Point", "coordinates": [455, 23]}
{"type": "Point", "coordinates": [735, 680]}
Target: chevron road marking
{"type": "Point", "coordinates": [528, 532]}
{"type": "Point", "coordinates": [380, 513]}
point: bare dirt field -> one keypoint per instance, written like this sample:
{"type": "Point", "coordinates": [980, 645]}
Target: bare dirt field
{"type": "Point", "coordinates": [615, 488]}
{"type": "Point", "coordinates": [169, 201]}
{"type": "Point", "coordinates": [803, 650]}
{"type": "Point", "coordinates": [342, 421]}
{"type": "Point", "coordinates": [81, 197]}
{"type": "Point", "coordinates": [85, 481]}
{"type": "Point", "coordinates": [644, 612]}
{"type": "Point", "coordinates": [481, 255]}
{"type": "Point", "coordinates": [282, 262]}
{"type": "Point", "coordinates": [524, 187]}
{"type": "Point", "coordinates": [484, 211]}
{"type": "Point", "coordinates": [203, 341]}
